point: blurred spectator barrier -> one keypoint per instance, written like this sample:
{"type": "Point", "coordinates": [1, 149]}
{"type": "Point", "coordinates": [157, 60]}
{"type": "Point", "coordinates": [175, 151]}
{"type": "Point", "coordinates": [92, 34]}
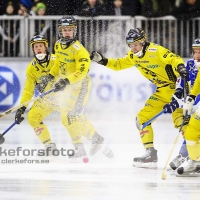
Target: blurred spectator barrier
{"type": "Point", "coordinates": [13, 36]}
{"type": "Point", "coordinates": [103, 33]}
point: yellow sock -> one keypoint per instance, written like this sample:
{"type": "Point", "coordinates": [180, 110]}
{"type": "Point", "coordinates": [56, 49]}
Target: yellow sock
{"type": "Point", "coordinates": [147, 136]}
{"type": "Point", "coordinates": [43, 134]}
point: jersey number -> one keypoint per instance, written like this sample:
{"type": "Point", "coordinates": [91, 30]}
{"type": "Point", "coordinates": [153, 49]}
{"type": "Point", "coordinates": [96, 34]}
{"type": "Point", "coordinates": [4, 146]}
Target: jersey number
{"type": "Point", "coordinates": [37, 69]}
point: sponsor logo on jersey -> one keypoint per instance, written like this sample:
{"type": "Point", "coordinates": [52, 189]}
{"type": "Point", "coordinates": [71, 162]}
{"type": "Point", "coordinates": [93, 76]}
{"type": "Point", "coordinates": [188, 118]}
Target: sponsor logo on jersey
{"type": "Point", "coordinates": [152, 49]}
{"type": "Point", "coordinates": [156, 44]}
{"type": "Point", "coordinates": [137, 65]}
{"type": "Point", "coordinates": [152, 56]}
{"type": "Point", "coordinates": [63, 53]}
{"type": "Point", "coordinates": [153, 98]}
{"type": "Point", "coordinates": [45, 71]}
{"type": "Point", "coordinates": [76, 46]}
{"type": "Point", "coordinates": [69, 60]}
{"type": "Point", "coordinates": [142, 133]}
{"type": "Point", "coordinates": [153, 66]}
{"type": "Point", "coordinates": [83, 60]}
{"type": "Point", "coordinates": [73, 51]}
{"type": "Point", "coordinates": [147, 104]}
{"type": "Point", "coordinates": [9, 88]}
{"type": "Point", "coordinates": [142, 61]}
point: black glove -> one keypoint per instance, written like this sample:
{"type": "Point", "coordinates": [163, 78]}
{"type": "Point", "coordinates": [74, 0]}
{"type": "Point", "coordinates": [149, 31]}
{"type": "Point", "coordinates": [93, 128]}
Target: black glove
{"type": "Point", "coordinates": [179, 93]}
{"type": "Point", "coordinates": [174, 104]}
{"type": "Point", "coordinates": [171, 107]}
{"type": "Point", "coordinates": [187, 120]}
{"type": "Point", "coordinates": [182, 71]}
{"type": "Point", "coordinates": [61, 84]}
{"type": "Point", "coordinates": [44, 82]}
{"type": "Point", "coordinates": [97, 57]}
{"type": "Point", "coordinates": [18, 115]}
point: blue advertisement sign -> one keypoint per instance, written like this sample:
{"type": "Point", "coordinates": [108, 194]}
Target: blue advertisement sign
{"type": "Point", "coordinates": [9, 88]}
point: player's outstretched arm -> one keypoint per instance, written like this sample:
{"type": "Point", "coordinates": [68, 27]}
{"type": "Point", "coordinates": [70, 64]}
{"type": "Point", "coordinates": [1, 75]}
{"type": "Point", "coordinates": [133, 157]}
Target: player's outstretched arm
{"type": "Point", "coordinates": [99, 58]}
{"type": "Point", "coordinates": [114, 64]}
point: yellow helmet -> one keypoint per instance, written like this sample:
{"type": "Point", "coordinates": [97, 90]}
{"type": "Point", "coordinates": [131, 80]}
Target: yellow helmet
{"type": "Point", "coordinates": [37, 39]}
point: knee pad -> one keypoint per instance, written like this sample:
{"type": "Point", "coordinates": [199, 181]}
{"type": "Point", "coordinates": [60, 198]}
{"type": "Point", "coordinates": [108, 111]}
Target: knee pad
{"type": "Point", "coordinates": [138, 125]}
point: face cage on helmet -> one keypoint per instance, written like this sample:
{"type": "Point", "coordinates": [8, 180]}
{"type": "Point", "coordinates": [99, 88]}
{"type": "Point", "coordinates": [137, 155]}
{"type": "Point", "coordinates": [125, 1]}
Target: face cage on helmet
{"type": "Point", "coordinates": [129, 42]}
{"type": "Point", "coordinates": [66, 40]}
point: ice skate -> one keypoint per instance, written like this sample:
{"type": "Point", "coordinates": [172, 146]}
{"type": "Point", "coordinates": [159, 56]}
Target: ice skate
{"type": "Point", "coordinates": [48, 153]}
{"type": "Point", "coordinates": [97, 146]}
{"type": "Point", "coordinates": [176, 162]}
{"type": "Point", "coordinates": [189, 168]}
{"type": "Point", "coordinates": [79, 155]}
{"type": "Point", "coordinates": [148, 160]}
{"type": "Point", "coordinates": [107, 152]}
{"type": "Point", "coordinates": [97, 143]}
{"type": "Point", "coordinates": [50, 149]}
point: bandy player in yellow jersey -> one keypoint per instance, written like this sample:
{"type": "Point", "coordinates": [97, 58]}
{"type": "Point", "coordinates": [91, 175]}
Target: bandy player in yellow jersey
{"type": "Point", "coordinates": [37, 69]}
{"type": "Point", "coordinates": [191, 166]}
{"type": "Point", "coordinates": [145, 56]}
{"type": "Point", "coordinates": [72, 65]}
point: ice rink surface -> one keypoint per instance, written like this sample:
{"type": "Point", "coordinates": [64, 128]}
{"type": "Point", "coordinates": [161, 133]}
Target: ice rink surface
{"type": "Point", "coordinates": [101, 178]}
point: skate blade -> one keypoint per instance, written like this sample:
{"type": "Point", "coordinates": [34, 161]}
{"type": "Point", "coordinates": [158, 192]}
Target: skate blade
{"type": "Point", "coordinates": [96, 154]}
{"type": "Point", "coordinates": [189, 174]}
{"type": "Point", "coordinates": [77, 160]}
{"type": "Point", "coordinates": [150, 165]}
{"type": "Point", "coordinates": [107, 152]}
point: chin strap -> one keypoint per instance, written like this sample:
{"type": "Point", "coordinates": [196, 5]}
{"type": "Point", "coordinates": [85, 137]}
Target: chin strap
{"type": "Point", "coordinates": [41, 56]}
{"type": "Point", "coordinates": [141, 53]}
{"type": "Point", "coordinates": [45, 59]}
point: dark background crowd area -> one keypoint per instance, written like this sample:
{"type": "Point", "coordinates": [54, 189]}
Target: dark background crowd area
{"type": "Point", "coordinates": [181, 9]}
